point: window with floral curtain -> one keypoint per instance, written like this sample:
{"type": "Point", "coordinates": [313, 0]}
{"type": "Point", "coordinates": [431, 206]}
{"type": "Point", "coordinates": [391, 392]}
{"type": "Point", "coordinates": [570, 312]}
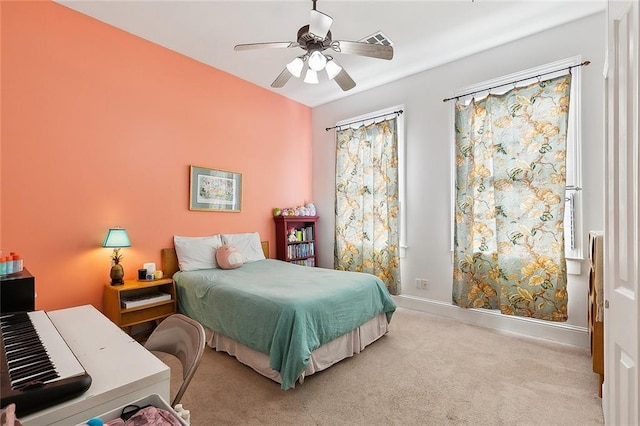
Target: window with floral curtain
{"type": "Point", "coordinates": [367, 206]}
{"type": "Point", "coordinates": [509, 201]}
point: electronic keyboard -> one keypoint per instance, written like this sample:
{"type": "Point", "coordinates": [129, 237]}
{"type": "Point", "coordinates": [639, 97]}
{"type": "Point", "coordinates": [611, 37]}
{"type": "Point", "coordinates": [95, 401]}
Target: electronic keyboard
{"type": "Point", "coordinates": [37, 367]}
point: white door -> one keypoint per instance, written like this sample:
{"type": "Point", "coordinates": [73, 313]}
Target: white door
{"type": "Point", "coordinates": [622, 220]}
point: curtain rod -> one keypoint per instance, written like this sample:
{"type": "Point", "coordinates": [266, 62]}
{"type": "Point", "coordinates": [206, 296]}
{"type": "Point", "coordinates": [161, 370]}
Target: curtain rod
{"type": "Point", "coordinates": [398, 112]}
{"type": "Point", "coordinates": [516, 81]}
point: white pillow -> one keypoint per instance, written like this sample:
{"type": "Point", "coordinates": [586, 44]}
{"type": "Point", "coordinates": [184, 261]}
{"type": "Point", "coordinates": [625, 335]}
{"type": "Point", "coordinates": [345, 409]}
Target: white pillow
{"type": "Point", "coordinates": [197, 252]}
{"type": "Point", "coordinates": [248, 244]}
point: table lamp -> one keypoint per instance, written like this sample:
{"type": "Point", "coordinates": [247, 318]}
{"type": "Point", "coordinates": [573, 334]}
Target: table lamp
{"type": "Point", "coordinates": [116, 238]}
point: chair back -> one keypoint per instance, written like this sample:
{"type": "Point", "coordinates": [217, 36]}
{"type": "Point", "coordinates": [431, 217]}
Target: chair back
{"type": "Point", "coordinates": [183, 338]}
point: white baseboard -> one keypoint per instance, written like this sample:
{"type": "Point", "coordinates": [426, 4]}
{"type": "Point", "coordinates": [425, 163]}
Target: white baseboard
{"type": "Point", "coordinates": [553, 331]}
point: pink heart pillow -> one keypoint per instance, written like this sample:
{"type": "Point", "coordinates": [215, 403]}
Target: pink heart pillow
{"type": "Point", "coordinates": [229, 257]}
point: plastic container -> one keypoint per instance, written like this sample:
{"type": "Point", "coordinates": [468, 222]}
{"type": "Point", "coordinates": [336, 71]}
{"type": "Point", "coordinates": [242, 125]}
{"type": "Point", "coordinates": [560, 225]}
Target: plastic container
{"type": "Point", "coordinates": [9, 262]}
{"type": "Point", "coordinates": [18, 263]}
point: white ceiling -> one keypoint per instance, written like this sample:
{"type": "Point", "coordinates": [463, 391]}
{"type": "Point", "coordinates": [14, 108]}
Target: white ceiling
{"type": "Point", "coordinates": [425, 33]}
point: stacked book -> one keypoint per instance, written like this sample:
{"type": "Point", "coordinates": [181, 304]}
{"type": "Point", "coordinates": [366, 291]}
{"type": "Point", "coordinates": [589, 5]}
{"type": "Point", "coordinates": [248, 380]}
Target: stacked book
{"type": "Point", "coordinates": [143, 299]}
{"type": "Point", "coordinates": [300, 250]}
{"type": "Point", "coordinates": [305, 262]}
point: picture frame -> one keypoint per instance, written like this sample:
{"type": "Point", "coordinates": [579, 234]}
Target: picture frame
{"type": "Point", "coordinates": [214, 190]}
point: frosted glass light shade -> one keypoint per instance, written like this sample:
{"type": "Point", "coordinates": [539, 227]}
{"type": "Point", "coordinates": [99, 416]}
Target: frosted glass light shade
{"type": "Point", "coordinates": [295, 67]}
{"type": "Point", "coordinates": [317, 61]}
{"type": "Point", "coordinates": [332, 69]}
{"type": "Point", "coordinates": [116, 238]}
{"type": "Point", "coordinates": [311, 77]}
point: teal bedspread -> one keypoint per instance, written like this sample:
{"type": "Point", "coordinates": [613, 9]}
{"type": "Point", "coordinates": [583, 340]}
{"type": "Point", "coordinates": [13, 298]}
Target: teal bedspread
{"type": "Point", "coordinates": [283, 310]}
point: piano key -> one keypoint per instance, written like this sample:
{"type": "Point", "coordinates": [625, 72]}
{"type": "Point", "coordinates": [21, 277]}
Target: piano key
{"type": "Point", "coordinates": [27, 362]}
{"type": "Point", "coordinates": [16, 328]}
{"type": "Point", "coordinates": [42, 377]}
{"type": "Point", "coordinates": [26, 358]}
{"type": "Point", "coordinates": [32, 357]}
{"type": "Point", "coordinates": [32, 351]}
{"type": "Point", "coordinates": [21, 353]}
{"type": "Point", "coordinates": [67, 365]}
{"type": "Point", "coordinates": [31, 370]}
{"type": "Point", "coordinates": [18, 342]}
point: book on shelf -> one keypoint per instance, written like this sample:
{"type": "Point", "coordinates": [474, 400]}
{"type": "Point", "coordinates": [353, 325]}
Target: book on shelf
{"type": "Point", "coordinates": [305, 262]}
{"type": "Point", "coordinates": [143, 299]}
{"type": "Point", "coordinates": [300, 250]}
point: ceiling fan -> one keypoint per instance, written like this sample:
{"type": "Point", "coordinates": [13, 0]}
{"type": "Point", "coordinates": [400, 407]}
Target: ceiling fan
{"type": "Point", "coordinates": [315, 39]}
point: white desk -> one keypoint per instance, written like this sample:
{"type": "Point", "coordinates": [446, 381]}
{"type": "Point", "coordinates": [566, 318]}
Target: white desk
{"type": "Point", "coordinates": [121, 369]}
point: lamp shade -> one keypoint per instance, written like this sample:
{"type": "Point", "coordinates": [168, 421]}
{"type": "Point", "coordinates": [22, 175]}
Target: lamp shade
{"type": "Point", "coordinates": [311, 77]}
{"type": "Point", "coordinates": [317, 61]}
{"type": "Point", "coordinates": [116, 238]}
{"type": "Point", "coordinates": [333, 69]}
{"type": "Point", "coordinates": [295, 66]}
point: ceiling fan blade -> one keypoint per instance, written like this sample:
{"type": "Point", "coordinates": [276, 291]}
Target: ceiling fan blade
{"type": "Point", "coordinates": [282, 79]}
{"type": "Point", "coordinates": [379, 51]}
{"type": "Point", "coordinates": [319, 24]}
{"type": "Point", "coordinates": [274, 45]}
{"type": "Point", "coordinates": [344, 80]}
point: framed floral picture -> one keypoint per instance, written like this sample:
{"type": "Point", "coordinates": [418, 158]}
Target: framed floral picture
{"type": "Point", "coordinates": [215, 190]}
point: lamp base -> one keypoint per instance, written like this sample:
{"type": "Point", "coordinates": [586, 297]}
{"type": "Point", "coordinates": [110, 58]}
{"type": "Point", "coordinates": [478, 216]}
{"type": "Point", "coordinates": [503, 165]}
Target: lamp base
{"type": "Point", "coordinates": [117, 274]}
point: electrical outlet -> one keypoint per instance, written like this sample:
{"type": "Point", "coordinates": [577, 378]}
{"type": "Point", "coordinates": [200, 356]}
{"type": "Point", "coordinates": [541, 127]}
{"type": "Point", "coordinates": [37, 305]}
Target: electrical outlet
{"type": "Point", "coordinates": [422, 283]}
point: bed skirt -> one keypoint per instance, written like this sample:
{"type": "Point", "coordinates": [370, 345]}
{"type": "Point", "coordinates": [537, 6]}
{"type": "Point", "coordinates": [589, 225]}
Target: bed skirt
{"type": "Point", "coordinates": [324, 357]}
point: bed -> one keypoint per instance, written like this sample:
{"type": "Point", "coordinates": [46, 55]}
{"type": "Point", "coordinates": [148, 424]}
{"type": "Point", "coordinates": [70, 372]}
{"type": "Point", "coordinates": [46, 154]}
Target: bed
{"type": "Point", "coordinates": [283, 320]}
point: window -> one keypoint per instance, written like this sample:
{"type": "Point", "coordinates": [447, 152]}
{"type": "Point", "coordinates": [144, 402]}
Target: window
{"type": "Point", "coordinates": [368, 119]}
{"type": "Point", "coordinates": [573, 202]}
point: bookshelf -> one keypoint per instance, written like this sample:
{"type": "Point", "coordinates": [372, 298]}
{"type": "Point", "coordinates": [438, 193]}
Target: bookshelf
{"type": "Point", "coordinates": [301, 251]}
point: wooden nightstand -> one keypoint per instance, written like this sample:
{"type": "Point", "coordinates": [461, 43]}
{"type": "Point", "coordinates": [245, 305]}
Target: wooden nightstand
{"type": "Point", "coordinates": [114, 295]}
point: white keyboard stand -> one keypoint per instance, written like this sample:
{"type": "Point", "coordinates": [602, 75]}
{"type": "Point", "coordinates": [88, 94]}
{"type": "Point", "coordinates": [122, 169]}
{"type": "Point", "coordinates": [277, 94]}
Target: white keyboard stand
{"type": "Point", "coordinates": [121, 369]}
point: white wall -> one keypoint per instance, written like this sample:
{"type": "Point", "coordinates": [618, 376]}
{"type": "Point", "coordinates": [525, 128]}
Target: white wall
{"type": "Point", "coordinates": [428, 166]}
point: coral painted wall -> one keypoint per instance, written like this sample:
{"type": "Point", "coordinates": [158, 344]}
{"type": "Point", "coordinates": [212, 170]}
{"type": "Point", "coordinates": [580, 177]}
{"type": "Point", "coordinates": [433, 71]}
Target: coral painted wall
{"type": "Point", "coordinates": [99, 128]}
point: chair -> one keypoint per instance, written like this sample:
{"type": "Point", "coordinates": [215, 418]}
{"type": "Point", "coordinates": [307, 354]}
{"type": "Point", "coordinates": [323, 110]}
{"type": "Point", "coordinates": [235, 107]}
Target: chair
{"type": "Point", "coordinates": [183, 338]}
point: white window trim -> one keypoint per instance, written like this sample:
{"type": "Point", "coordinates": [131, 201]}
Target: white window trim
{"type": "Point", "coordinates": [381, 115]}
{"type": "Point", "coordinates": [574, 137]}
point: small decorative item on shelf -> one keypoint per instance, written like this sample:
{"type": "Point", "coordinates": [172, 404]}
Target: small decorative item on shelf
{"type": "Point", "coordinates": [142, 274]}
{"type": "Point", "coordinates": [308, 209]}
{"type": "Point", "coordinates": [11, 264]}
{"type": "Point", "coordinates": [148, 272]}
{"type": "Point", "coordinates": [151, 269]}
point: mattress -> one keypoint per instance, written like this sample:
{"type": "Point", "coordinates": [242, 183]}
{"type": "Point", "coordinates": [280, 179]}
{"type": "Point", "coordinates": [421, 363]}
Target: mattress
{"type": "Point", "coordinates": [325, 356]}
{"type": "Point", "coordinates": [281, 310]}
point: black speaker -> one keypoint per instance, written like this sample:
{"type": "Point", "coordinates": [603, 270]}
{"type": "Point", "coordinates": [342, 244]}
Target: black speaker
{"type": "Point", "coordinates": [18, 292]}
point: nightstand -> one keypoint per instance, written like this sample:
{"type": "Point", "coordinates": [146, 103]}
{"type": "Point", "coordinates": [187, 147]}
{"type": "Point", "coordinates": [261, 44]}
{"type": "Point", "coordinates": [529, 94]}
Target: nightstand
{"type": "Point", "coordinates": [135, 292]}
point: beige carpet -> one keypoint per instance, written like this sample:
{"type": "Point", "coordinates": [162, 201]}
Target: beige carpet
{"type": "Point", "coordinates": [427, 371]}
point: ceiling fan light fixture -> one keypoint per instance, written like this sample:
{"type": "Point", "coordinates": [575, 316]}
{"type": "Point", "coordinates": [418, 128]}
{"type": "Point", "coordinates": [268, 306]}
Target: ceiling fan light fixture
{"type": "Point", "coordinates": [332, 69]}
{"type": "Point", "coordinates": [315, 39]}
{"type": "Point", "coordinates": [311, 77]}
{"type": "Point", "coordinates": [295, 66]}
{"type": "Point", "coordinates": [317, 61]}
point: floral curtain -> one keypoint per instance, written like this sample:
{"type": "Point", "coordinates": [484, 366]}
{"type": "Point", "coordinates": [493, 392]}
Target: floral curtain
{"type": "Point", "coordinates": [509, 201]}
{"type": "Point", "coordinates": [367, 230]}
